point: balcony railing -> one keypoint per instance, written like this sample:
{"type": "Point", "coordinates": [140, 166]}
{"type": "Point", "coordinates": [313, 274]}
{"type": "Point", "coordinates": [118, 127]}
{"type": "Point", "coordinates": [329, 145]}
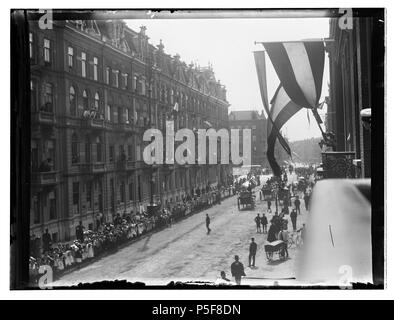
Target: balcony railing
{"type": "Point", "coordinates": [90, 168]}
{"type": "Point", "coordinates": [44, 117]}
{"type": "Point", "coordinates": [45, 178]}
{"type": "Point", "coordinates": [94, 123]}
{"type": "Point", "coordinates": [126, 127]}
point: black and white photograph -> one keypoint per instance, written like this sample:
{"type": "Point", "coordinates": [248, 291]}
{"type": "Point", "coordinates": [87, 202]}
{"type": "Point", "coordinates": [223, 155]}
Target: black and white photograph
{"type": "Point", "coordinates": [198, 148]}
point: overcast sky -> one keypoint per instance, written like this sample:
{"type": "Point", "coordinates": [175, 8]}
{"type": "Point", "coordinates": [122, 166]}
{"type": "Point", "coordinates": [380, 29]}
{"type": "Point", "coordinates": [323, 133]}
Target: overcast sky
{"type": "Point", "coordinates": [228, 44]}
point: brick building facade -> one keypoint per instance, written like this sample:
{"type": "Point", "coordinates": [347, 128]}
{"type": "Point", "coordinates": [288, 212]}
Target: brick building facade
{"type": "Point", "coordinates": [96, 86]}
{"type": "Point", "coordinates": [251, 119]}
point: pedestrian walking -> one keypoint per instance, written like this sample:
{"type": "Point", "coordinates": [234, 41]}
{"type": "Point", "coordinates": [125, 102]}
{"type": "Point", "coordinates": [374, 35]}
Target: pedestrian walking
{"type": "Point", "coordinates": [297, 204]}
{"type": "Point", "coordinates": [79, 232]}
{"type": "Point", "coordinates": [237, 270]}
{"type": "Point", "coordinates": [207, 223]}
{"type": "Point", "coordinates": [284, 236]}
{"type": "Point", "coordinates": [269, 206]}
{"type": "Point", "coordinates": [271, 233]}
{"type": "Point", "coordinates": [293, 217]}
{"type": "Point", "coordinates": [264, 222]}
{"type": "Point", "coordinates": [46, 241]}
{"type": "Point", "coordinates": [252, 253]}
{"type": "Point", "coordinates": [257, 219]}
{"type": "Point", "coordinates": [306, 200]}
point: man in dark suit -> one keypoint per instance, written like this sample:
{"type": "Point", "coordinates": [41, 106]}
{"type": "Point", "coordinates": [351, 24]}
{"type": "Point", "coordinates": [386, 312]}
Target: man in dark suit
{"type": "Point", "coordinates": [79, 232]}
{"type": "Point", "coordinates": [46, 241]}
{"type": "Point", "coordinates": [237, 270]}
{"type": "Point", "coordinates": [252, 253]}
{"type": "Point", "coordinates": [293, 217]}
{"type": "Point", "coordinates": [207, 223]}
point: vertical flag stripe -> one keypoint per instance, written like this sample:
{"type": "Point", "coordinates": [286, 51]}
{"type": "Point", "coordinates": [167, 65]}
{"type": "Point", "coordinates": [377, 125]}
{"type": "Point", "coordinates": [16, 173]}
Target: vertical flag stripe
{"type": "Point", "coordinates": [299, 66]}
{"type": "Point", "coordinates": [302, 71]}
{"type": "Point", "coordinates": [315, 51]}
{"type": "Point", "coordinates": [259, 58]}
{"type": "Point", "coordinates": [281, 62]}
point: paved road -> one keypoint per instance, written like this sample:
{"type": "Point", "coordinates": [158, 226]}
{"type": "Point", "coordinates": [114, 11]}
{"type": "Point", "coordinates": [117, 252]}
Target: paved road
{"type": "Point", "coordinates": [185, 252]}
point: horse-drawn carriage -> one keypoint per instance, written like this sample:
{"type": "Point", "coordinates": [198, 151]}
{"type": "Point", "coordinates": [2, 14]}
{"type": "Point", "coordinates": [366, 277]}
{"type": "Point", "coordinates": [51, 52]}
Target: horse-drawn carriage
{"type": "Point", "coordinates": [274, 247]}
{"type": "Point", "coordinates": [246, 199]}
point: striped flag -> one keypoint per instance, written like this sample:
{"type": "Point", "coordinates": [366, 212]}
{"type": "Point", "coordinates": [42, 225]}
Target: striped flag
{"type": "Point", "coordinates": [282, 109]}
{"type": "Point", "coordinates": [259, 57]}
{"type": "Point", "coordinates": [299, 66]}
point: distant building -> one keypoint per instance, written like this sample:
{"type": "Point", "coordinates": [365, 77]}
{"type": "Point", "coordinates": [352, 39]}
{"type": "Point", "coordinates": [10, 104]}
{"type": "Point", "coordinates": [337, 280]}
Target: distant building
{"type": "Point", "coordinates": [251, 119]}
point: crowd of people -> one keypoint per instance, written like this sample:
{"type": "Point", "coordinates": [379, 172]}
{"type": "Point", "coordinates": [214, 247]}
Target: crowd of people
{"type": "Point", "coordinates": [109, 235]}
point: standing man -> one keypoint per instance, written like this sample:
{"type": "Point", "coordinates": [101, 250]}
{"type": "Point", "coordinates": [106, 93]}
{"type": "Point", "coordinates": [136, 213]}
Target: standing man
{"type": "Point", "coordinates": [207, 222]}
{"type": "Point", "coordinates": [306, 200]}
{"type": "Point", "coordinates": [79, 232]}
{"type": "Point", "coordinates": [257, 219]}
{"type": "Point", "coordinates": [293, 217]}
{"type": "Point", "coordinates": [269, 205]}
{"type": "Point", "coordinates": [46, 241]}
{"type": "Point", "coordinates": [297, 203]}
{"type": "Point", "coordinates": [264, 222]}
{"type": "Point", "coordinates": [252, 253]}
{"type": "Point", "coordinates": [237, 270]}
{"type": "Point", "coordinates": [284, 236]}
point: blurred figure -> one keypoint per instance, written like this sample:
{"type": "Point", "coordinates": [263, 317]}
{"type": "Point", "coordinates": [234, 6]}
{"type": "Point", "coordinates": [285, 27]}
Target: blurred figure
{"type": "Point", "coordinates": [237, 270]}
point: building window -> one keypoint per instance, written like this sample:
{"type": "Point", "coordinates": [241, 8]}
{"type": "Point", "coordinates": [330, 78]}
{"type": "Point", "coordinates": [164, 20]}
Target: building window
{"type": "Point", "coordinates": [130, 152]}
{"type": "Point", "coordinates": [70, 57]}
{"type": "Point", "coordinates": [95, 69]}
{"type": "Point", "coordinates": [74, 149]}
{"type": "Point", "coordinates": [33, 95]}
{"type": "Point", "coordinates": [134, 83]}
{"type": "Point", "coordinates": [111, 153]}
{"type": "Point", "coordinates": [96, 101]}
{"type": "Point", "coordinates": [142, 86]}
{"type": "Point", "coordinates": [89, 194]}
{"type": "Point", "coordinates": [76, 195]}
{"type": "Point", "coordinates": [52, 206]}
{"type": "Point", "coordinates": [254, 138]}
{"type": "Point", "coordinates": [31, 45]}
{"type": "Point", "coordinates": [120, 110]}
{"type": "Point", "coordinates": [116, 78]}
{"type": "Point", "coordinates": [107, 75]}
{"type": "Point", "coordinates": [125, 80]}
{"type": "Point", "coordinates": [83, 64]}
{"type": "Point", "coordinates": [73, 102]}
{"type": "Point", "coordinates": [99, 152]}
{"type": "Point", "coordinates": [47, 50]}
{"type": "Point", "coordinates": [131, 191]}
{"type": "Point", "coordinates": [127, 116]}
{"type": "Point", "coordinates": [109, 112]}
{"type": "Point", "coordinates": [85, 100]}
{"type": "Point", "coordinates": [34, 155]}
{"type": "Point", "coordinates": [36, 208]}
{"type": "Point", "coordinates": [122, 192]}
{"type": "Point", "coordinates": [48, 98]}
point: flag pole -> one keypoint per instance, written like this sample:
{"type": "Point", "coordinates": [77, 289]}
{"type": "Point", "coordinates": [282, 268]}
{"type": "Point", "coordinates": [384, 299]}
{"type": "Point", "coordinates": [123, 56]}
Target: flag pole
{"type": "Point", "coordinates": [292, 41]}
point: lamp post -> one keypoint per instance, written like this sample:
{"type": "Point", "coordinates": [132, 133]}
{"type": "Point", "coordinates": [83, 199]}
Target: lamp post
{"type": "Point", "coordinates": [152, 187]}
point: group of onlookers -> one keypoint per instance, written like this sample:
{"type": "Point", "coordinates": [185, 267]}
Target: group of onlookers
{"type": "Point", "coordinates": [108, 236]}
